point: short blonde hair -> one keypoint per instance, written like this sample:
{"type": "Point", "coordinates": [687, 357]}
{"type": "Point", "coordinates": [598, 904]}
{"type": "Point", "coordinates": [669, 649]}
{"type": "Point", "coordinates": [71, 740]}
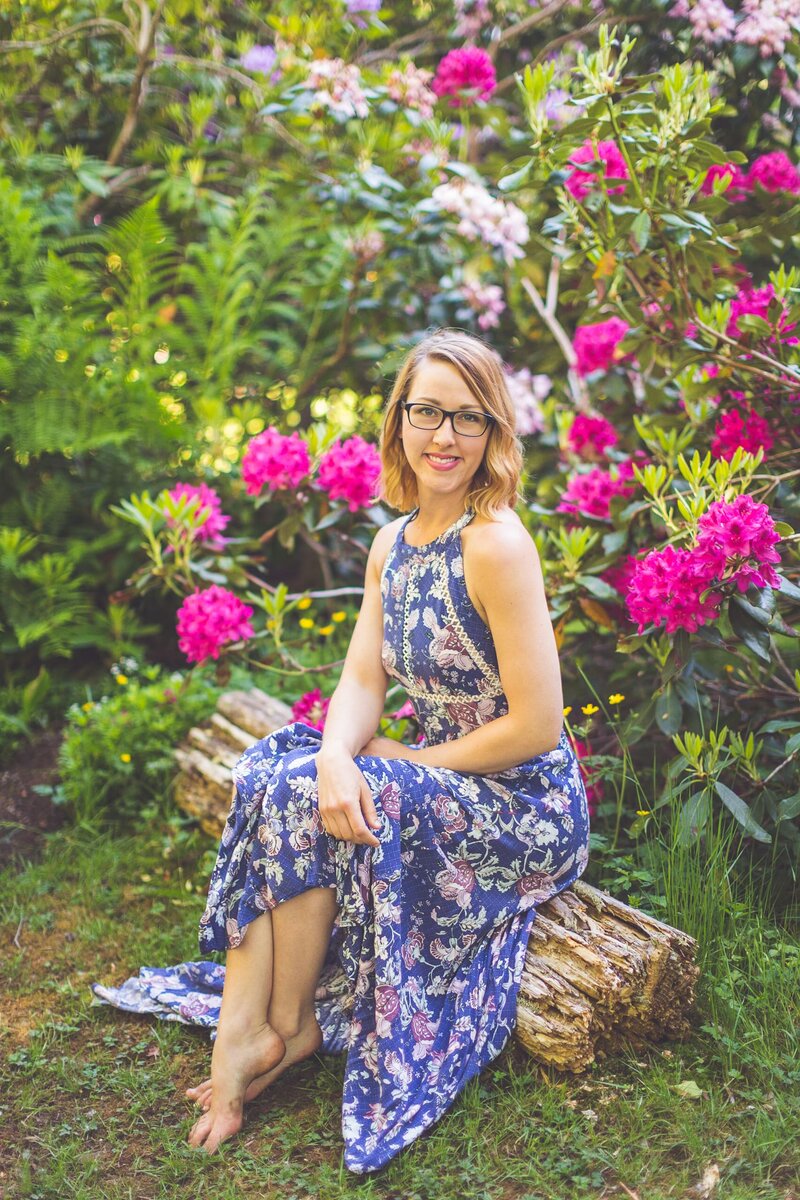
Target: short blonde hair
{"type": "Point", "coordinates": [496, 482]}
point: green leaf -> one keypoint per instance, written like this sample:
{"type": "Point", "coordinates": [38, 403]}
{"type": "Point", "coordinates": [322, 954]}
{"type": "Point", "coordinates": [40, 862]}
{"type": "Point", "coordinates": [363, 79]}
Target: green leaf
{"type": "Point", "coordinates": [597, 587]}
{"type": "Point", "coordinates": [787, 588]}
{"type": "Point", "coordinates": [693, 817]}
{"type": "Point", "coordinates": [741, 811]}
{"type": "Point", "coordinates": [748, 631]}
{"type": "Point", "coordinates": [669, 711]}
{"type": "Point", "coordinates": [689, 1089]}
{"type": "Point", "coordinates": [789, 808]}
{"type": "Point", "coordinates": [640, 229]}
{"type": "Point", "coordinates": [516, 179]}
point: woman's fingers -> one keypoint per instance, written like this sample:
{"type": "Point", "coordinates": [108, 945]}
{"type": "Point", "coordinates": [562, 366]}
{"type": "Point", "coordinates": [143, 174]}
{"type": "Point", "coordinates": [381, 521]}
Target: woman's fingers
{"type": "Point", "coordinates": [368, 808]}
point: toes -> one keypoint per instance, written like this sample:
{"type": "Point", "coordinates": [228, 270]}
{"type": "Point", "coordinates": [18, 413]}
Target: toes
{"type": "Point", "coordinates": [200, 1130]}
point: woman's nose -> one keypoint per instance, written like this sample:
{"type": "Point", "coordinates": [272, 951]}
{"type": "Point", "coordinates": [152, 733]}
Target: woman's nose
{"type": "Point", "coordinates": [445, 434]}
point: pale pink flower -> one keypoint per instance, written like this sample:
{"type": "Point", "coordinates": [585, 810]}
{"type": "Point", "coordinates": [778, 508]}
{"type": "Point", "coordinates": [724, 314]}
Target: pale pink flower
{"type": "Point", "coordinates": [712, 21]}
{"type": "Point", "coordinates": [337, 87]}
{"type": "Point", "coordinates": [275, 459]}
{"type": "Point", "coordinates": [466, 76]}
{"type": "Point", "coordinates": [484, 218]}
{"type": "Point", "coordinates": [591, 436]}
{"type": "Point", "coordinates": [768, 24]}
{"type": "Point", "coordinates": [596, 345]}
{"type": "Point", "coordinates": [485, 299]}
{"type": "Point", "coordinates": [471, 16]}
{"type": "Point", "coordinates": [527, 392]}
{"type": "Point", "coordinates": [311, 709]}
{"type": "Point", "coordinates": [743, 428]}
{"type": "Point", "coordinates": [606, 160]}
{"type": "Point", "coordinates": [349, 471]}
{"type": "Point", "coordinates": [208, 517]}
{"type": "Point", "coordinates": [774, 172]}
{"type": "Point", "coordinates": [408, 85]}
{"type": "Point", "coordinates": [209, 620]}
{"type": "Point", "coordinates": [367, 245]}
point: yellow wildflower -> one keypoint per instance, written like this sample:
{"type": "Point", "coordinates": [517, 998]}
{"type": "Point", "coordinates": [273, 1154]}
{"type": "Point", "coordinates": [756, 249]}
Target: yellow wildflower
{"type": "Point", "coordinates": [305, 602]}
{"type": "Point", "coordinates": [121, 679]}
{"type": "Point", "coordinates": [126, 758]}
{"type": "Point", "coordinates": [643, 812]}
{"type": "Point", "coordinates": [617, 698]}
{"type": "Point", "coordinates": [567, 710]}
{"type": "Point", "coordinates": [306, 623]}
{"type": "Point", "coordinates": [338, 617]}
{"type": "Point", "coordinates": [589, 710]}
{"type": "Point", "coordinates": [729, 667]}
{"type": "Point", "coordinates": [326, 630]}
{"type": "Point", "coordinates": [88, 706]}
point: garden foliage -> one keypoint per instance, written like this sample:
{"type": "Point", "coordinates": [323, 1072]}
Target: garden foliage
{"type": "Point", "coordinates": [219, 235]}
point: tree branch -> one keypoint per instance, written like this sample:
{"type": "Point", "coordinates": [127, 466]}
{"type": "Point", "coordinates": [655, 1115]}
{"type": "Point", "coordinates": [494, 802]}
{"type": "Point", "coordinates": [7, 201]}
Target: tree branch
{"type": "Point", "coordinates": [73, 31]}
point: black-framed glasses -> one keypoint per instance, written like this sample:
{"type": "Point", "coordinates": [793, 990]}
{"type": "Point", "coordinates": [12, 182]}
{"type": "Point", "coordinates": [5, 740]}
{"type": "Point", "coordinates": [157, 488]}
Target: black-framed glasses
{"type": "Point", "coordinates": [469, 422]}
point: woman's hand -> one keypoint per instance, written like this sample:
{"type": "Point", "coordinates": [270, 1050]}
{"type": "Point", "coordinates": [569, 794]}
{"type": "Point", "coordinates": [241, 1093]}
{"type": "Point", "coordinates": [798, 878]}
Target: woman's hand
{"type": "Point", "coordinates": [346, 807]}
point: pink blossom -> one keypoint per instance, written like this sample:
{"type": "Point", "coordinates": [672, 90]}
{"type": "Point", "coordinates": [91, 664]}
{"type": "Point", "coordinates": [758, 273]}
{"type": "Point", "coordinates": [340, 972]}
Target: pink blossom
{"type": "Point", "coordinates": [591, 436]}
{"type": "Point", "coordinates": [668, 585]}
{"type": "Point", "coordinates": [774, 172]}
{"type": "Point", "coordinates": [210, 619]}
{"type": "Point", "coordinates": [208, 516]}
{"type": "Point", "coordinates": [712, 21]}
{"type": "Point", "coordinates": [592, 493]}
{"type": "Point", "coordinates": [743, 428]}
{"type": "Point", "coordinates": [486, 299]}
{"type": "Point", "coordinates": [337, 87]}
{"type": "Point", "coordinates": [466, 75]}
{"type": "Point", "coordinates": [471, 16]}
{"type": "Point", "coordinates": [767, 24]}
{"type": "Point", "coordinates": [349, 471]}
{"type": "Point", "coordinates": [408, 85]}
{"type": "Point", "coordinates": [527, 394]}
{"type": "Point", "coordinates": [311, 709]}
{"type": "Point", "coordinates": [596, 345]}
{"type": "Point", "coordinates": [605, 155]}
{"type": "Point", "coordinates": [756, 301]}
{"type": "Point", "coordinates": [275, 459]}
{"type": "Point", "coordinates": [484, 218]}
{"type": "Point", "coordinates": [404, 711]}
{"type": "Point", "coordinates": [744, 534]}
{"type": "Point", "coordinates": [737, 181]}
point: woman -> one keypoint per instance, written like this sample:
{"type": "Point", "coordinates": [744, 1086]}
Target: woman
{"type": "Point", "coordinates": [405, 878]}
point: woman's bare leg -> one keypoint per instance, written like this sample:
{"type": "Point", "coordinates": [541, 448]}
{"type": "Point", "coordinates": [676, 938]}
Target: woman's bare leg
{"type": "Point", "coordinates": [267, 1019]}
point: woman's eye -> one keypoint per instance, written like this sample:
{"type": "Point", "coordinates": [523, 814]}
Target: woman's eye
{"type": "Point", "coordinates": [425, 411]}
{"type": "Point", "coordinates": [471, 418]}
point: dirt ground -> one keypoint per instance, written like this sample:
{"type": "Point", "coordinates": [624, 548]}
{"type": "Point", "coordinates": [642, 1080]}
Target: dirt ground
{"type": "Point", "coordinates": [25, 814]}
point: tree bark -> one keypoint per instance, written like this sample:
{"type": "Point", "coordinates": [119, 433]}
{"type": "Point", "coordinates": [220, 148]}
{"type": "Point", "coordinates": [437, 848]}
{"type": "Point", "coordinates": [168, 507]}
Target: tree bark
{"type": "Point", "coordinates": [597, 972]}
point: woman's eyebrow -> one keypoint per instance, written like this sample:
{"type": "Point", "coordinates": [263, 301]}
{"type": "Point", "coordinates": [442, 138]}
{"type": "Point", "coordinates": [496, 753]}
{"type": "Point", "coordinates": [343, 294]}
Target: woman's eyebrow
{"type": "Point", "coordinates": [473, 406]}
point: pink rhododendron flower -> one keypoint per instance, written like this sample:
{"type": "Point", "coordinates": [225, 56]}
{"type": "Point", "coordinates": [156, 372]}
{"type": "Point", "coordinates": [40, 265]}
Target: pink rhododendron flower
{"type": "Point", "coordinates": [408, 86]}
{"type": "Point", "coordinates": [484, 218]}
{"type": "Point", "coordinates": [527, 393]}
{"type": "Point", "coordinates": [485, 299]}
{"type": "Point", "coordinates": [311, 709]}
{"type": "Point", "coordinates": [768, 25]}
{"type": "Point", "coordinates": [744, 534]}
{"type": "Point", "coordinates": [404, 711]}
{"type": "Point", "coordinates": [756, 301]}
{"type": "Point", "coordinates": [337, 87]}
{"type": "Point", "coordinates": [593, 785]}
{"type": "Point", "coordinates": [591, 493]}
{"type": "Point", "coordinates": [209, 515]}
{"type": "Point", "coordinates": [275, 459]}
{"type": "Point", "coordinates": [737, 180]}
{"type": "Point", "coordinates": [743, 428]}
{"type": "Point", "coordinates": [668, 585]}
{"type": "Point", "coordinates": [712, 21]}
{"type": "Point", "coordinates": [349, 471]}
{"type": "Point", "coordinates": [606, 156]}
{"type": "Point", "coordinates": [591, 436]}
{"type": "Point", "coordinates": [596, 345]}
{"type": "Point", "coordinates": [467, 70]}
{"type": "Point", "coordinates": [471, 16]}
{"type": "Point", "coordinates": [210, 619]}
{"type": "Point", "coordinates": [774, 172]}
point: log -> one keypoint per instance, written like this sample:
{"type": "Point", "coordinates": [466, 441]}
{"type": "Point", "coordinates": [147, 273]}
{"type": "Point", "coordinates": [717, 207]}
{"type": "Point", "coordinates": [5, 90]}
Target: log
{"type": "Point", "coordinates": [597, 973]}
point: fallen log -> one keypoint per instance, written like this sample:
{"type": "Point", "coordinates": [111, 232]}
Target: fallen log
{"type": "Point", "coordinates": [597, 972]}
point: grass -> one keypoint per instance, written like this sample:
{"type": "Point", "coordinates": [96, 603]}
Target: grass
{"type": "Point", "coordinates": [92, 1105]}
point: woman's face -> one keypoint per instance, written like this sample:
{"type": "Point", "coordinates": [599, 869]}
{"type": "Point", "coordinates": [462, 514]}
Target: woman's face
{"type": "Point", "coordinates": [443, 461]}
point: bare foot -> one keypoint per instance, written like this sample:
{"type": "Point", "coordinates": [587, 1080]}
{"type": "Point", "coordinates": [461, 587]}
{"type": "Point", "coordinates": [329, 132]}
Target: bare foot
{"type": "Point", "coordinates": [238, 1058]}
{"type": "Point", "coordinates": [305, 1043]}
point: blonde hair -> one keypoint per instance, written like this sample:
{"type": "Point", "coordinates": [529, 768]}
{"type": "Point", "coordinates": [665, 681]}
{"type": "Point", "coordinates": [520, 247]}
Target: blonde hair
{"type": "Point", "coordinates": [495, 484]}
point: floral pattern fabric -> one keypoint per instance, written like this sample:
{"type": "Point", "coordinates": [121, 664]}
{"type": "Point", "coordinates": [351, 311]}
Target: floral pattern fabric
{"type": "Point", "coordinates": [422, 974]}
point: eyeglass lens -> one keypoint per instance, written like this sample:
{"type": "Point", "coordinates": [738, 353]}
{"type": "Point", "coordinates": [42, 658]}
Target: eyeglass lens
{"type": "Point", "coordinates": [427, 416]}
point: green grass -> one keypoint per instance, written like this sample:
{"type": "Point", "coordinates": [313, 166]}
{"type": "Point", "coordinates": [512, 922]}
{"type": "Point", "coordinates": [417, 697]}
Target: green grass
{"type": "Point", "coordinates": [92, 1106]}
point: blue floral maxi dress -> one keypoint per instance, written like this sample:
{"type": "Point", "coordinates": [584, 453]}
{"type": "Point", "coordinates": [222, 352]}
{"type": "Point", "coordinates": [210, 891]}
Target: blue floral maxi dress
{"type": "Point", "coordinates": [421, 980]}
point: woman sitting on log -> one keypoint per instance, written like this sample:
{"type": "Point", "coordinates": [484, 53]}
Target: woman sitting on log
{"type": "Point", "coordinates": [375, 897]}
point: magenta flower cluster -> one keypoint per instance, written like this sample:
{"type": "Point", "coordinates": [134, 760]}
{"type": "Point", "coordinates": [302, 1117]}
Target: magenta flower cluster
{"type": "Point", "coordinates": [275, 459]}
{"type": "Point", "coordinates": [591, 493]}
{"type": "Point", "coordinates": [773, 172]}
{"type": "Point", "coordinates": [209, 620]}
{"type": "Point", "coordinates": [741, 427]}
{"type": "Point", "coordinates": [465, 75]}
{"type": "Point", "coordinates": [349, 471]}
{"type": "Point", "coordinates": [680, 586]}
{"type": "Point", "coordinates": [209, 516]}
{"type": "Point", "coordinates": [596, 345]}
{"type": "Point", "coordinates": [756, 301]}
{"type": "Point", "coordinates": [591, 436]}
{"type": "Point", "coordinates": [605, 159]}
{"type": "Point", "coordinates": [311, 709]}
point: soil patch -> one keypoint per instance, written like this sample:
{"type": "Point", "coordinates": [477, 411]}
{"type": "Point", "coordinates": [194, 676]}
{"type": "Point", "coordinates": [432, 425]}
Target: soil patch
{"type": "Point", "coordinates": [25, 814]}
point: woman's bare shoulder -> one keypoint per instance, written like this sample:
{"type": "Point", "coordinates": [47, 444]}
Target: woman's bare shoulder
{"type": "Point", "coordinates": [383, 541]}
{"type": "Point", "coordinates": [499, 536]}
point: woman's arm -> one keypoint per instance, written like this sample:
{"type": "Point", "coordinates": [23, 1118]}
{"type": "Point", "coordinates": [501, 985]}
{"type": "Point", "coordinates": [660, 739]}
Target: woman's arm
{"type": "Point", "coordinates": [506, 577]}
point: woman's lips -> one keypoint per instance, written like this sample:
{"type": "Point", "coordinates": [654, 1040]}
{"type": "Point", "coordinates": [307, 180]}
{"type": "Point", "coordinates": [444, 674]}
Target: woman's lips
{"type": "Point", "coordinates": [446, 465]}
